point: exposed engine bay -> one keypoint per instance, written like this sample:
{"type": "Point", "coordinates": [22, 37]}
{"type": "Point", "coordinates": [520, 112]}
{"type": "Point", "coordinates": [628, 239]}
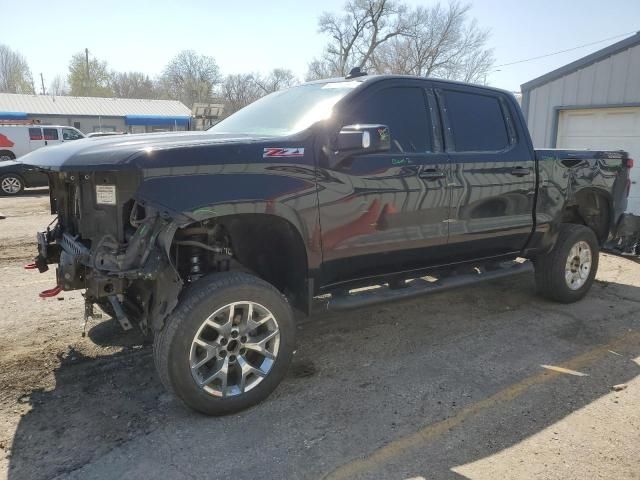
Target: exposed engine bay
{"type": "Point", "coordinates": [133, 259]}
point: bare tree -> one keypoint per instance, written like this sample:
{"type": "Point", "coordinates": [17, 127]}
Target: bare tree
{"type": "Point", "coordinates": [239, 90]}
{"type": "Point", "coordinates": [321, 68]}
{"type": "Point", "coordinates": [58, 86]}
{"type": "Point", "coordinates": [190, 78]}
{"type": "Point", "coordinates": [15, 75]}
{"type": "Point", "coordinates": [355, 35]}
{"type": "Point", "coordinates": [438, 42]}
{"type": "Point", "coordinates": [278, 79]}
{"type": "Point", "coordinates": [132, 85]}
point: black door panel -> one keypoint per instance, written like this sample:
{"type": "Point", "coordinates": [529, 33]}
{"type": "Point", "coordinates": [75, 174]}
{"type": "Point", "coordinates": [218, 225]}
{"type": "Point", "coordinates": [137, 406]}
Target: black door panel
{"type": "Point", "coordinates": [492, 175]}
{"type": "Point", "coordinates": [373, 222]}
{"type": "Point", "coordinates": [385, 212]}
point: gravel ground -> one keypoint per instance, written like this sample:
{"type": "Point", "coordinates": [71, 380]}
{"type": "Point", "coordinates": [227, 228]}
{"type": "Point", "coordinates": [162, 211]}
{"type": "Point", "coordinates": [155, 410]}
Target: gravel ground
{"type": "Point", "coordinates": [483, 382]}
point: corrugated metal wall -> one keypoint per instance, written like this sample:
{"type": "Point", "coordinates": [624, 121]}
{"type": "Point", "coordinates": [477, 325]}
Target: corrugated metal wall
{"type": "Point", "coordinates": [87, 124]}
{"type": "Point", "coordinates": [612, 81]}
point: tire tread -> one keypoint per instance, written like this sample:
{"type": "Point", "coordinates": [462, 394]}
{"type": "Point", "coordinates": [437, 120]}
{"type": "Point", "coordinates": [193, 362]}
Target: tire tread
{"type": "Point", "coordinates": [549, 283]}
{"type": "Point", "coordinates": [205, 287]}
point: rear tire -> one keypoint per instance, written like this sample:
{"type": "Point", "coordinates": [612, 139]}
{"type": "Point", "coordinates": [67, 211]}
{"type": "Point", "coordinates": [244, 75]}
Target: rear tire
{"type": "Point", "coordinates": [227, 345]}
{"type": "Point", "coordinates": [11, 184]}
{"type": "Point", "coordinates": [565, 274]}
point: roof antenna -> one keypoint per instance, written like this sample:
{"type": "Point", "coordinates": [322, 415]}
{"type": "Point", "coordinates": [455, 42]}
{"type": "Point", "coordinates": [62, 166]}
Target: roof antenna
{"type": "Point", "coordinates": [355, 72]}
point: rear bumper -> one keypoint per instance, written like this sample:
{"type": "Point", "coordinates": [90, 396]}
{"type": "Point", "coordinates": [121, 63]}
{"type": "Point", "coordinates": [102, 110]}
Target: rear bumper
{"type": "Point", "coordinates": [627, 236]}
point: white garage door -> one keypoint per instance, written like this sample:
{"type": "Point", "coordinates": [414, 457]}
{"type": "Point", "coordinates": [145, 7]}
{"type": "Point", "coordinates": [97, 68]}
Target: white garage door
{"type": "Point", "coordinates": [605, 129]}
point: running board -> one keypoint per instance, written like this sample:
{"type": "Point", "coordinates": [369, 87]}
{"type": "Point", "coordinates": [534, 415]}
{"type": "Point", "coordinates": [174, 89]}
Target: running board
{"type": "Point", "coordinates": [420, 286]}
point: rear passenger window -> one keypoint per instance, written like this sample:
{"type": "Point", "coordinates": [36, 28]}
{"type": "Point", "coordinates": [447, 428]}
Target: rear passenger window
{"type": "Point", "coordinates": [477, 122]}
{"type": "Point", "coordinates": [35, 134]}
{"type": "Point", "coordinates": [404, 111]}
{"type": "Point", "coordinates": [50, 133]}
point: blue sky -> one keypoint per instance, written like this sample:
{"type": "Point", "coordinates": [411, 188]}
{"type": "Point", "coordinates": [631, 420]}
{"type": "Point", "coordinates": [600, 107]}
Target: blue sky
{"type": "Point", "coordinates": [251, 35]}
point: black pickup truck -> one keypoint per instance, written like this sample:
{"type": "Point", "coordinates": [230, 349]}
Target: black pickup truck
{"type": "Point", "coordinates": [207, 241]}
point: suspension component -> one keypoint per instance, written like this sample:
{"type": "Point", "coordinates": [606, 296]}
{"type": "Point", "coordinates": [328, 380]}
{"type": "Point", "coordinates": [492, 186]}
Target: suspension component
{"type": "Point", "coordinates": [196, 267]}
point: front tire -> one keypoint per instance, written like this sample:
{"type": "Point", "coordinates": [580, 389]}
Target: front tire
{"type": "Point", "coordinates": [565, 274]}
{"type": "Point", "coordinates": [11, 184]}
{"type": "Point", "coordinates": [227, 345]}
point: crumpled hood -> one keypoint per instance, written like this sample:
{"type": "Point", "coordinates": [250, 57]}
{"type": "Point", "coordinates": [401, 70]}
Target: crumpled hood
{"type": "Point", "coordinates": [152, 150]}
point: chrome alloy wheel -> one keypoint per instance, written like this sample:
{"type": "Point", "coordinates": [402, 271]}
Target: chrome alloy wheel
{"type": "Point", "coordinates": [578, 265]}
{"type": "Point", "coordinates": [234, 349]}
{"type": "Point", "coordinates": [11, 185]}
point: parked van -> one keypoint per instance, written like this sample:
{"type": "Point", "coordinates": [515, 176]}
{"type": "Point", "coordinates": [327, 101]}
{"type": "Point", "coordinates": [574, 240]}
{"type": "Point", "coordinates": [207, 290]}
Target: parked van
{"type": "Point", "coordinates": [18, 140]}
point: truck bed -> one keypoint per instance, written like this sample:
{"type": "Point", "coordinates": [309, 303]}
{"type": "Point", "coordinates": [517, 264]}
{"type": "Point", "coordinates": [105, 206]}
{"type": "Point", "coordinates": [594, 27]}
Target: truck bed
{"type": "Point", "coordinates": [563, 154]}
{"type": "Point", "coordinates": [625, 233]}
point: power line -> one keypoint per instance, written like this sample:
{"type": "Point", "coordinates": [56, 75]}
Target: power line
{"type": "Point", "coordinates": [564, 51]}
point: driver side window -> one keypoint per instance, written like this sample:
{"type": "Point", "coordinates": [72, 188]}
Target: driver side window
{"type": "Point", "coordinates": [70, 134]}
{"type": "Point", "coordinates": [404, 111]}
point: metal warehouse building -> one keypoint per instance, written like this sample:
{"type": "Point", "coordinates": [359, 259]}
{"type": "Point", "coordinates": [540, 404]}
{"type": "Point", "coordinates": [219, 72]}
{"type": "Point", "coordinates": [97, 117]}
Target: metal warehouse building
{"type": "Point", "coordinates": [592, 103]}
{"type": "Point", "coordinates": [92, 114]}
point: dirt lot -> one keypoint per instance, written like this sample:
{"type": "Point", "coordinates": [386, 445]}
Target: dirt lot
{"type": "Point", "coordinates": [486, 382]}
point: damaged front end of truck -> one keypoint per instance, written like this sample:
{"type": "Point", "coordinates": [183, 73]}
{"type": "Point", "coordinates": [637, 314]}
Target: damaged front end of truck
{"type": "Point", "coordinates": [132, 253]}
{"type": "Point", "coordinates": [112, 245]}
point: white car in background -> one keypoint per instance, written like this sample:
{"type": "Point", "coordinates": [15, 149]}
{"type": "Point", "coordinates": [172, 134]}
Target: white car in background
{"type": "Point", "coordinates": [104, 134]}
{"type": "Point", "coordinates": [18, 140]}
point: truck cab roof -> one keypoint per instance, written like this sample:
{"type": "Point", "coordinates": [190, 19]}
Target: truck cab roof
{"type": "Point", "coordinates": [374, 78]}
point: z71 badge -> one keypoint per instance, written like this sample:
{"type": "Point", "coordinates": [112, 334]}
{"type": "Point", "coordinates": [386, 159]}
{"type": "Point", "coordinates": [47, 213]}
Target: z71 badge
{"type": "Point", "coordinates": [269, 152]}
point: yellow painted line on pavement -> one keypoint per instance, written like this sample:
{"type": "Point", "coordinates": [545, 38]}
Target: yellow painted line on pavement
{"type": "Point", "coordinates": [430, 432]}
{"type": "Point", "coordinates": [564, 370]}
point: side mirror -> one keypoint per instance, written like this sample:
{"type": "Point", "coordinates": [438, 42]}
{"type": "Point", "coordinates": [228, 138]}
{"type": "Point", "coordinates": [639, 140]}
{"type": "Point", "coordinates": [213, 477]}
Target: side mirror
{"type": "Point", "coordinates": [354, 139]}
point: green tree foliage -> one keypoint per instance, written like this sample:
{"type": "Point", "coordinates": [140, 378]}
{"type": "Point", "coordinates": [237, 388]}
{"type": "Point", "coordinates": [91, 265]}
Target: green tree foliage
{"type": "Point", "coordinates": [88, 80]}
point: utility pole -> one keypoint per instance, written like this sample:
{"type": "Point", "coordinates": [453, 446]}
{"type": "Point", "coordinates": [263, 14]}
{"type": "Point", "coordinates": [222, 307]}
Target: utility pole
{"type": "Point", "coordinates": [42, 82]}
{"type": "Point", "coordinates": [86, 57]}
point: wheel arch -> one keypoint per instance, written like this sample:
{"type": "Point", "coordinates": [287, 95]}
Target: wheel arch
{"type": "Point", "coordinates": [270, 246]}
{"type": "Point", "coordinates": [592, 207]}
{"type": "Point", "coordinates": [273, 248]}
{"type": "Point", "coordinates": [8, 152]}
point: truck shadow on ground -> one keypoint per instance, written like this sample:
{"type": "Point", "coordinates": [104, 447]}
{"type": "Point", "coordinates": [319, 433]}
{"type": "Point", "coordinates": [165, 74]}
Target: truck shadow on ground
{"type": "Point", "coordinates": [361, 381]}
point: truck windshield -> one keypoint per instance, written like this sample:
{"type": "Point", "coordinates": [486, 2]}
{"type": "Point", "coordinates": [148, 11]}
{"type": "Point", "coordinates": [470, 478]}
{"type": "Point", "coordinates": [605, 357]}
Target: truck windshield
{"type": "Point", "coordinates": [287, 111]}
